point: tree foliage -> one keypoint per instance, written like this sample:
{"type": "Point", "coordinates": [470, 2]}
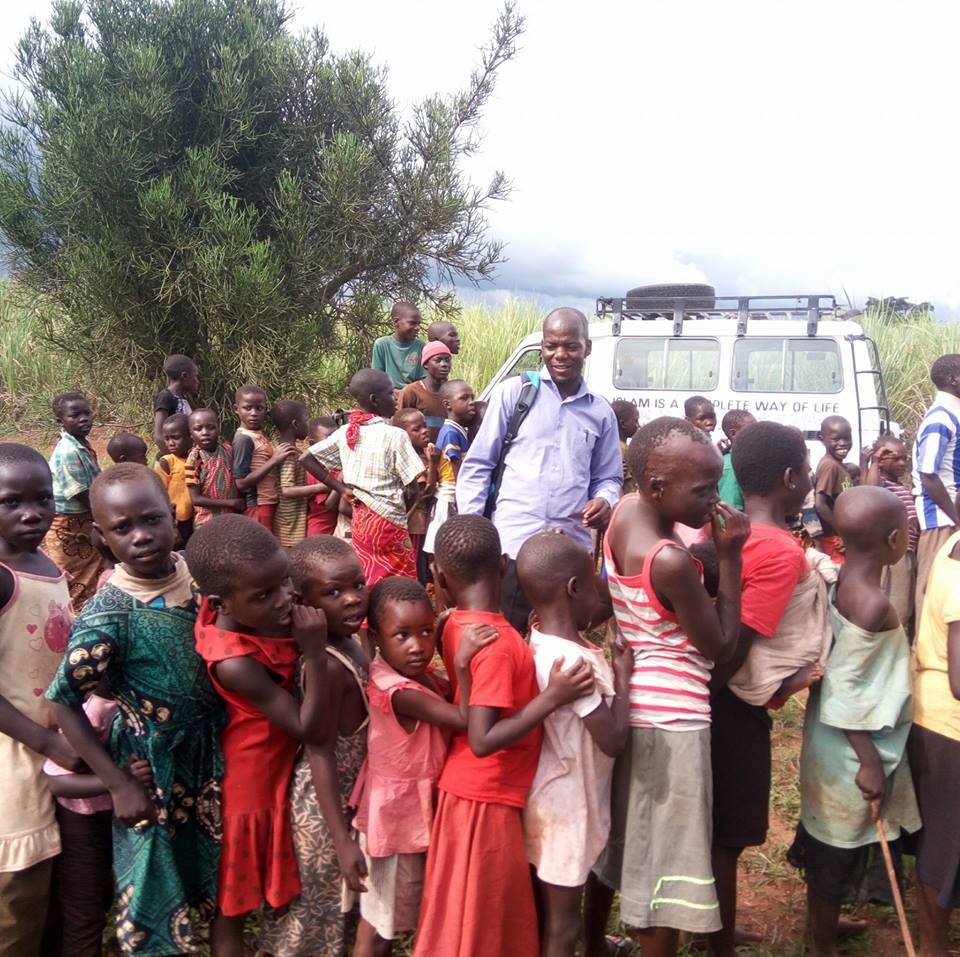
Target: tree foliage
{"type": "Point", "coordinates": [190, 176]}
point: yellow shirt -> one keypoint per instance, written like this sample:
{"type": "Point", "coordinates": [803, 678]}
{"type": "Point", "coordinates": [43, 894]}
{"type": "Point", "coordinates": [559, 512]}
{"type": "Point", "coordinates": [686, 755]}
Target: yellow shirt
{"type": "Point", "coordinates": [176, 484]}
{"type": "Point", "coordinates": [935, 707]}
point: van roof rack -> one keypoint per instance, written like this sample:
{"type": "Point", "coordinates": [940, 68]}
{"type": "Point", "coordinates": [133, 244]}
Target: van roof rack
{"type": "Point", "coordinates": [803, 308]}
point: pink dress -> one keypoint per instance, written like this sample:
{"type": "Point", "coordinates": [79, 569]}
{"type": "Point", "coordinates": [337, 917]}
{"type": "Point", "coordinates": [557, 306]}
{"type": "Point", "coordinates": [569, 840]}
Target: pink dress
{"type": "Point", "coordinates": [396, 792]}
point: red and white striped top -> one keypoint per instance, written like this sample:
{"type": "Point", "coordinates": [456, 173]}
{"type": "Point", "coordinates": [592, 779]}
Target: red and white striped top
{"type": "Point", "coordinates": [668, 687]}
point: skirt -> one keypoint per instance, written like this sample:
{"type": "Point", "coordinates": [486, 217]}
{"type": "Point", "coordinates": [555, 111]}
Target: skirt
{"type": "Point", "coordinates": [69, 543]}
{"type": "Point", "coordinates": [384, 548]}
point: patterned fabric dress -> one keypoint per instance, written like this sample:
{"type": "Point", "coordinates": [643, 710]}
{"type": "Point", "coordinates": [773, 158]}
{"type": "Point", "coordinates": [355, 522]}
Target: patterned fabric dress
{"type": "Point", "coordinates": [169, 714]}
{"type": "Point", "coordinates": [314, 925]}
{"type": "Point", "coordinates": [212, 473]}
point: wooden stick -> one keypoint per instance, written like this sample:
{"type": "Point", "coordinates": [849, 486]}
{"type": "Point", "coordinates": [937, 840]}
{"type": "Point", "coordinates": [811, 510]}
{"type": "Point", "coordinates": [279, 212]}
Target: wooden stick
{"type": "Point", "coordinates": [892, 877]}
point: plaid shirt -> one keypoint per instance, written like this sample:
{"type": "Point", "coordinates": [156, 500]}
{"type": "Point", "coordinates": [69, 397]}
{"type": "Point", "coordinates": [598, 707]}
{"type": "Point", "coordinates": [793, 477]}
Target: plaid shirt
{"type": "Point", "coordinates": [74, 467]}
{"type": "Point", "coordinates": [381, 466]}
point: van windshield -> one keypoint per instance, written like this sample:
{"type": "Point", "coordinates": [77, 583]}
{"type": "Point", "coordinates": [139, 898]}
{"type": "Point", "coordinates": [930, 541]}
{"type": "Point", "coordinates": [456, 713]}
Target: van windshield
{"type": "Point", "coordinates": [787, 365]}
{"type": "Point", "coordinates": [682, 364]}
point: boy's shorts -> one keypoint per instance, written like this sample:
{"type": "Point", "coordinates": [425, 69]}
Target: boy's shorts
{"type": "Point", "coordinates": [658, 856]}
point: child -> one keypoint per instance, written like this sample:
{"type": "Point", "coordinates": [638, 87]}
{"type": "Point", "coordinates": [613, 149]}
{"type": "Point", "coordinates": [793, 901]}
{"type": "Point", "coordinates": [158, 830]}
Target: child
{"type": "Point", "coordinates": [127, 447]}
{"type": "Point", "coordinates": [934, 749]}
{"type": "Point", "coordinates": [886, 467]}
{"type": "Point", "coordinates": [327, 576]}
{"type": "Point", "coordinates": [183, 382]}
{"type": "Point", "coordinates": [728, 488]}
{"type": "Point", "coordinates": [290, 520]}
{"type": "Point", "coordinates": [378, 466]}
{"type": "Point", "coordinates": [566, 820]}
{"type": "Point", "coordinates": [323, 506]}
{"type": "Point", "coordinates": [34, 624]}
{"type": "Point", "coordinates": [784, 635]}
{"type": "Point", "coordinates": [74, 467]}
{"type": "Point", "coordinates": [254, 459]}
{"type": "Point", "coordinates": [628, 421]}
{"type": "Point", "coordinates": [82, 887]}
{"type": "Point", "coordinates": [853, 764]}
{"type": "Point", "coordinates": [208, 473]}
{"type": "Point", "coordinates": [479, 410]}
{"type": "Point", "coordinates": [424, 394]}
{"type": "Point", "coordinates": [410, 717]}
{"type": "Point", "coordinates": [453, 443]}
{"type": "Point", "coordinates": [137, 633]}
{"type": "Point", "coordinates": [251, 635]}
{"type": "Point", "coordinates": [172, 469]}
{"type": "Point", "coordinates": [853, 470]}
{"type": "Point", "coordinates": [399, 355]}
{"type": "Point", "coordinates": [445, 332]}
{"type": "Point", "coordinates": [699, 411]}
{"type": "Point", "coordinates": [477, 894]}
{"type": "Point", "coordinates": [831, 479]}
{"type": "Point", "coordinates": [659, 850]}
{"type": "Point", "coordinates": [414, 424]}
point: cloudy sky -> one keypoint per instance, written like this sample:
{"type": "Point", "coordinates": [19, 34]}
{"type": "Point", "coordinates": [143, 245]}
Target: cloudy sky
{"type": "Point", "coordinates": [763, 146]}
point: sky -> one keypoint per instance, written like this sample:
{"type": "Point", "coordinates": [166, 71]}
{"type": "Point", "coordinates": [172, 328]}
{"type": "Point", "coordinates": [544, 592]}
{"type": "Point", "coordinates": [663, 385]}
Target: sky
{"type": "Point", "coordinates": [763, 146]}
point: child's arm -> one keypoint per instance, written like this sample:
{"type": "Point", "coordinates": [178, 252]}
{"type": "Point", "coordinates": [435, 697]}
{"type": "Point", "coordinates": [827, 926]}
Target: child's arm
{"type": "Point", "coordinates": [433, 471]}
{"type": "Point", "coordinates": [487, 732]}
{"type": "Point", "coordinates": [159, 417]}
{"type": "Point", "coordinates": [953, 657]}
{"type": "Point", "coordinates": [713, 627]}
{"type": "Point", "coordinates": [244, 676]}
{"type": "Point", "coordinates": [824, 505]}
{"type": "Point", "coordinates": [607, 724]}
{"type": "Point", "coordinates": [89, 785]}
{"type": "Point", "coordinates": [870, 778]}
{"type": "Point", "coordinates": [322, 474]}
{"type": "Point", "coordinates": [806, 677]}
{"type": "Point", "coordinates": [218, 504]}
{"type": "Point", "coordinates": [413, 704]}
{"type": "Point", "coordinates": [256, 476]}
{"type": "Point", "coordinates": [36, 737]}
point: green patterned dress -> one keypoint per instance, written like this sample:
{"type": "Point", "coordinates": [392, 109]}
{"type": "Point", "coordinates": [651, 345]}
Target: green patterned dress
{"type": "Point", "coordinates": [168, 713]}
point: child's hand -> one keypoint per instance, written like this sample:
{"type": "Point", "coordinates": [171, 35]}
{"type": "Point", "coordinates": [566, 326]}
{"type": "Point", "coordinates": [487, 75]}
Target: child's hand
{"type": "Point", "coordinates": [622, 665]}
{"type": "Point", "coordinates": [131, 803]}
{"type": "Point", "coordinates": [59, 750]}
{"type": "Point", "coordinates": [433, 453]}
{"type": "Point", "coordinates": [724, 445]}
{"type": "Point", "coordinates": [309, 629]}
{"type": "Point", "coordinates": [353, 865]}
{"type": "Point", "coordinates": [568, 685]}
{"type": "Point", "coordinates": [284, 450]}
{"type": "Point", "coordinates": [236, 504]}
{"type": "Point", "coordinates": [871, 781]}
{"type": "Point", "coordinates": [141, 770]}
{"type": "Point", "coordinates": [472, 639]}
{"type": "Point", "coordinates": [729, 536]}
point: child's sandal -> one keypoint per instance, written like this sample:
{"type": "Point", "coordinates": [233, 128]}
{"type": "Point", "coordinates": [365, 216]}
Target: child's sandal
{"type": "Point", "coordinates": [620, 946]}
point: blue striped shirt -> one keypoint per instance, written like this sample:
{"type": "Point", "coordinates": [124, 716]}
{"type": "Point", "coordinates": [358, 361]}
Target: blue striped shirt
{"type": "Point", "coordinates": [936, 451]}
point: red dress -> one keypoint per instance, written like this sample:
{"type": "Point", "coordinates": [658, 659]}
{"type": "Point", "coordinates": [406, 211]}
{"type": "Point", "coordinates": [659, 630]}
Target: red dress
{"type": "Point", "coordinates": [257, 861]}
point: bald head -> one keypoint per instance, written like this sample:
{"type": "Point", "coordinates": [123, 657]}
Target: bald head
{"type": "Point", "coordinates": [866, 516]}
{"type": "Point", "coordinates": [567, 320]}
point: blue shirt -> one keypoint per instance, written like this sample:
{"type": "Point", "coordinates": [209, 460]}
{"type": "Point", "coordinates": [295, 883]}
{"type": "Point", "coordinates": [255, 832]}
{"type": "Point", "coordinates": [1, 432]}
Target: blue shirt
{"type": "Point", "coordinates": [566, 452]}
{"type": "Point", "coordinates": [936, 451]}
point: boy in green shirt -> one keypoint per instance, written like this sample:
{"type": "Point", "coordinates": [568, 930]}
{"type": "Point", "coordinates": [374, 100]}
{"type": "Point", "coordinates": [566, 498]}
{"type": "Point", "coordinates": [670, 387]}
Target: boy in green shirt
{"type": "Point", "coordinates": [399, 355]}
{"type": "Point", "coordinates": [728, 487]}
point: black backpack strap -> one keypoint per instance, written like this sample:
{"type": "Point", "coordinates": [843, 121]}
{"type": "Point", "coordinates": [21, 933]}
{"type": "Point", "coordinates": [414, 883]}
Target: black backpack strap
{"type": "Point", "coordinates": [531, 385]}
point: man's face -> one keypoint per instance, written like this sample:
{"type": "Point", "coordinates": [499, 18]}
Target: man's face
{"type": "Point", "coordinates": [564, 349]}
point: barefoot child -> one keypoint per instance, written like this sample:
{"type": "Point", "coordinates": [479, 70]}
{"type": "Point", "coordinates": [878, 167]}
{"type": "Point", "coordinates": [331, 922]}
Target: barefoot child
{"type": "Point", "coordinates": [659, 851]}
{"type": "Point", "coordinates": [255, 461]}
{"type": "Point", "coordinates": [74, 467]}
{"type": "Point", "coordinates": [424, 394]}
{"type": "Point", "coordinates": [378, 465]}
{"type": "Point", "coordinates": [137, 634]}
{"type": "Point", "coordinates": [452, 443]}
{"type": "Point", "coordinates": [208, 473]}
{"type": "Point", "coordinates": [251, 634]}
{"type": "Point", "coordinates": [832, 479]}
{"type": "Point", "coordinates": [566, 821]}
{"type": "Point", "coordinates": [853, 763]}
{"type": "Point", "coordinates": [784, 634]}
{"type": "Point", "coordinates": [477, 893]}
{"type": "Point", "coordinates": [418, 513]}
{"type": "Point", "coordinates": [290, 520]}
{"type": "Point", "coordinates": [183, 383]}
{"type": "Point", "coordinates": [172, 469]}
{"type": "Point", "coordinates": [127, 447]}
{"type": "Point", "coordinates": [327, 576]}
{"type": "Point", "coordinates": [34, 624]}
{"type": "Point", "coordinates": [410, 721]}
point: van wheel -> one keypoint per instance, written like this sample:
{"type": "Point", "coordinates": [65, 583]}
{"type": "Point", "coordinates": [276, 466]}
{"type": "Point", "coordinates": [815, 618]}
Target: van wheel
{"type": "Point", "coordinates": [660, 298]}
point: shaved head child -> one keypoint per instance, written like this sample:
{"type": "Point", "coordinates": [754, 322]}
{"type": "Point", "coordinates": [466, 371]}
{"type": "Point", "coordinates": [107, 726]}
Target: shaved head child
{"type": "Point", "coordinates": [728, 487]}
{"type": "Point", "coordinates": [398, 355]}
{"type": "Point", "coordinates": [853, 764]}
{"type": "Point", "coordinates": [699, 411]}
{"type": "Point", "coordinates": [832, 479]}
{"type": "Point", "coordinates": [445, 332]}
{"type": "Point", "coordinates": [127, 447]}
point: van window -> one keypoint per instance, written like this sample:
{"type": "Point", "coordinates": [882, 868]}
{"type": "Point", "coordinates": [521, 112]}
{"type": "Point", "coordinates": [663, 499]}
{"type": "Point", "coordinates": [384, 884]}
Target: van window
{"type": "Point", "coordinates": [787, 365]}
{"type": "Point", "coordinates": [682, 364]}
{"type": "Point", "coordinates": [529, 360]}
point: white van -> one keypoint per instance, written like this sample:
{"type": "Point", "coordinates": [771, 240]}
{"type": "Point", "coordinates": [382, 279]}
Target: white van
{"type": "Point", "coordinates": [792, 359]}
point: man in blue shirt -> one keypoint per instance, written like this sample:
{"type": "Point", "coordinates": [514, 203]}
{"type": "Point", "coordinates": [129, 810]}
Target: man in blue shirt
{"type": "Point", "coordinates": [564, 469]}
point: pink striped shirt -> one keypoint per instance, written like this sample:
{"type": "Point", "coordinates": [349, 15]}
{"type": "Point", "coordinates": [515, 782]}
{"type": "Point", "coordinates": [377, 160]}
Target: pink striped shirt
{"type": "Point", "coordinates": [668, 688]}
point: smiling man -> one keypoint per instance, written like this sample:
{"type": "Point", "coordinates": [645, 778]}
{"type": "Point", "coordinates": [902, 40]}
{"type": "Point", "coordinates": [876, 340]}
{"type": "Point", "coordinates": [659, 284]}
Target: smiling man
{"type": "Point", "coordinates": [564, 468]}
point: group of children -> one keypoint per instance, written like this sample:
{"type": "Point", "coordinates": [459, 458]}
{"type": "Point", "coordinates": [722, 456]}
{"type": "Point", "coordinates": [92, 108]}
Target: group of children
{"type": "Point", "coordinates": [254, 718]}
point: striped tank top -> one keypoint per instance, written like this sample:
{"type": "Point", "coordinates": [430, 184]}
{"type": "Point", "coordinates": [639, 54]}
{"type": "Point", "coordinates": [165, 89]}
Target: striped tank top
{"type": "Point", "coordinates": [668, 687]}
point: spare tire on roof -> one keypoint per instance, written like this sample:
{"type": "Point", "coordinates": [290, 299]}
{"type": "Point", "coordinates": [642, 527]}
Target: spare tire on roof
{"type": "Point", "coordinates": [660, 298]}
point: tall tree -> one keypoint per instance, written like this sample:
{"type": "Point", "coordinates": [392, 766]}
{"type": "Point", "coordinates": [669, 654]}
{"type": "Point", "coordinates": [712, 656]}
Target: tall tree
{"type": "Point", "coordinates": [190, 176]}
